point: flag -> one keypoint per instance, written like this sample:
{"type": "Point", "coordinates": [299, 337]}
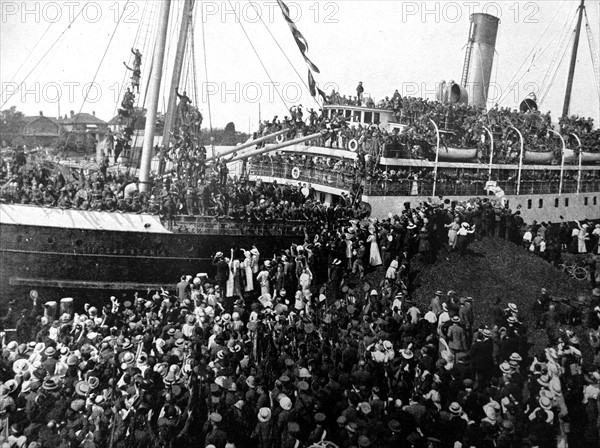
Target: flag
{"type": "Point", "coordinates": [302, 44]}
{"type": "Point", "coordinates": [311, 84]}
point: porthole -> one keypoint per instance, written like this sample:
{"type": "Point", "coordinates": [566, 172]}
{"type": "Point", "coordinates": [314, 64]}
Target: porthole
{"type": "Point", "coordinates": [50, 240]}
{"type": "Point", "coordinates": [79, 243]}
{"type": "Point", "coordinates": [19, 238]}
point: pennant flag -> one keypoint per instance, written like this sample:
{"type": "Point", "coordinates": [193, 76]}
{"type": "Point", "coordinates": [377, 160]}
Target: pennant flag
{"type": "Point", "coordinates": [322, 94]}
{"type": "Point", "coordinates": [302, 44]}
{"type": "Point", "coordinates": [311, 84]}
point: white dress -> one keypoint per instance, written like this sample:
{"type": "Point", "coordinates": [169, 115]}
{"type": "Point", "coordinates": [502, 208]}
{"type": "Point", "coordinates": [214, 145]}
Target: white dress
{"type": "Point", "coordinates": [265, 285]}
{"type": "Point", "coordinates": [581, 237]}
{"type": "Point", "coordinates": [249, 275]}
{"type": "Point", "coordinates": [229, 285]}
{"type": "Point", "coordinates": [375, 256]}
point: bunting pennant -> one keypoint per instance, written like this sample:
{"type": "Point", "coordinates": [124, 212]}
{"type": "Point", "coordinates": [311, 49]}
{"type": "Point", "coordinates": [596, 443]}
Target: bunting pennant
{"type": "Point", "coordinates": [322, 94]}
{"type": "Point", "coordinates": [302, 44]}
{"type": "Point", "coordinates": [312, 86]}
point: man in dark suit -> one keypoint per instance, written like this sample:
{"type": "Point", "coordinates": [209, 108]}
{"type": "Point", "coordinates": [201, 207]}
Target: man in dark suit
{"type": "Point", "coordinates": [481, 355]}
{"type": "Point", "coordinates": [183, 289]}
{"type": "Point", "coordinates": [222, 272]}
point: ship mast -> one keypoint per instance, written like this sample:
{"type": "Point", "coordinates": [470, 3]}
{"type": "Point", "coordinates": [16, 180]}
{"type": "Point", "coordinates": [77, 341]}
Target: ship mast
{"type": "Point", "coordinates": [567, 102]}
{"type": "Point", "coordinates": [153, 95]}
{"type": "Point", "coordinates": [170, 120]}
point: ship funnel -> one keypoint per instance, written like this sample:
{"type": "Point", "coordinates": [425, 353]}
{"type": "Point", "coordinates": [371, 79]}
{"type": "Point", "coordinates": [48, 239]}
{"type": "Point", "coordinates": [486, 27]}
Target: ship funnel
{"type": "Point", "coordinates": [479, 58]}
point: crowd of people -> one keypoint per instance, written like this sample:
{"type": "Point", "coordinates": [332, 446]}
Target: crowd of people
{"type": "Point", "coordinates": [170, 196]}
{"type": "Point", "coordinates": [466, 124]}
{"type": "Point", "coordinates": [584, 128]}
{"type": "Point", "coordinates": [296, 349]}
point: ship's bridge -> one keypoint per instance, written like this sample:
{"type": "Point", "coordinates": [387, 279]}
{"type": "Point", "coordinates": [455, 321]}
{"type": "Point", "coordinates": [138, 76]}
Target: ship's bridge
{"type": "Point", "coordinates": [365, 116]}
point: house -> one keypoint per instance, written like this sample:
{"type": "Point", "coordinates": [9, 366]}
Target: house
{"type": "Point", "coordinates": [83, 128]}
{"type": "Point", "coordinates": [39, 130]}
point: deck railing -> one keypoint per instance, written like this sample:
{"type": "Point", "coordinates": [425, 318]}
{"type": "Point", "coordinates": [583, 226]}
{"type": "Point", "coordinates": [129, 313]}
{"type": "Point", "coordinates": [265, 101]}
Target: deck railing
{"type": "Point", "coordinates": [343, 180]}
{"type": "Point", "coordinates": [208, 225]}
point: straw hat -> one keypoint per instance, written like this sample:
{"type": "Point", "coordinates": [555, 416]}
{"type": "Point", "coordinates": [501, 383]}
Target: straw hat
{"type": "Point", "coordinates": [455, 408]}
{"type": "Point", "coordinates": [285, 403]}
{"type": "Point", "coordinates": [264, 415]}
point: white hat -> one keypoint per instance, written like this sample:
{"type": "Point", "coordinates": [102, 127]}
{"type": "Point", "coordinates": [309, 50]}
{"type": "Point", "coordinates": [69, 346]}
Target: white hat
{"type": "Point", "coordinates": [285, 403]}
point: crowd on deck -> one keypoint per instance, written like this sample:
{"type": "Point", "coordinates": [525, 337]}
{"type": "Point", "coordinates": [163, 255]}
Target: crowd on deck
{"type": "Point", "coordinates": [170, 196]}
{"type": "Point", "coordinates": [294, 349]}
{"type": "Point", "coordinates": [467, 124]}
{"type": "Point", "coordinates": [584, 129]}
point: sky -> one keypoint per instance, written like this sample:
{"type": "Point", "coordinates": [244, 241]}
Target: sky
{"type": "Point", "coordinates": [247, 64]}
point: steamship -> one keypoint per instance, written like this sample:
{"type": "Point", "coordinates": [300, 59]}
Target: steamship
{"type": "Point", "coordinates": [88, 251]}
{"type": "Point", "coordinates": [575, 196]}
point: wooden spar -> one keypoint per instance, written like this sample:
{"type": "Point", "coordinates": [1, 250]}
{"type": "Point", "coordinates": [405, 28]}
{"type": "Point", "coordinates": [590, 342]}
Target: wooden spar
{"type": "Point", "coordinates": [153, 95]}
{"type": "Point", "coordinates": [567, 102]}
{"type": "Point", "coordinates": [276, 147]}
{"type": "Point", "coordinates": [188, 7]}
{"type": "Point", "coordinates": [247, 145]}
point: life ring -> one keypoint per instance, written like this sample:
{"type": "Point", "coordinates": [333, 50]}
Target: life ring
{"type": "Point", "coordinates": [295, 172]}
{"type": "Point", "coordinates": [353, 145]}
{"type": "Point", "coordinates": [280, 138]}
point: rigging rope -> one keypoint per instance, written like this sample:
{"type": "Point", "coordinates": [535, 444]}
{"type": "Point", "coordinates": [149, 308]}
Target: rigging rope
{"type": "Point", "coordinates": [566, 36]}
{"type": "Point", "coordinates": [31, 52]}
{"type": "Point", "coordinates": [174, 28]}
{"type": "Point", "coordinates": [529, 56]}
{"type": "Point", "coordinates": [145, 13]}
{"type": "Point", "coordinates": [210, 126]}
{"type": "Point", "coordinates": [46, 54]}
{"type": "Point", "coordinates": [151, 65]}
{"type": "Point", "coordinates": [556, 72]}
{"type": "Point", "coordinates": [258, 56]}
{"type": "Point", "coordinates": [593, 51]}
{"type": "Point", "coordinates": [284, 54]}
{"type": "Point", "coordinates": [194, 71]}
{"type": "Point", "coordinates": [97, 71]}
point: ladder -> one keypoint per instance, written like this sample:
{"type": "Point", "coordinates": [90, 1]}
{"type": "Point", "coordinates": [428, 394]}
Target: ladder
{"type": "Point", "coordinates": [465, 71]}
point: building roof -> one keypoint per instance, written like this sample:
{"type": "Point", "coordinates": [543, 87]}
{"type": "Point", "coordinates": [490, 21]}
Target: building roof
{"type": "Point", "coordinates": [33, 118]}
{"type": "Point", "coordinates": [82, 118]}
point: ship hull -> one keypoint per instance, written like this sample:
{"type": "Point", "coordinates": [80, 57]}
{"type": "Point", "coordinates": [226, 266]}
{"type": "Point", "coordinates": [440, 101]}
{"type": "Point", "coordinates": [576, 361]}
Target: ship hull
{"type": "Point", "coordinates": [63, 259]}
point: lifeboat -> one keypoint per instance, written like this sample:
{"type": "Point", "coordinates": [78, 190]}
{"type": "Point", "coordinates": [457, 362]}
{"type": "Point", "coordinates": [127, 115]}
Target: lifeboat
{"type": "Point", "coordinates": [456, 154]}
{"type": "Point", "coordinates": [538, 157]}
{"type": "Point", "coordinates": [587, 158]}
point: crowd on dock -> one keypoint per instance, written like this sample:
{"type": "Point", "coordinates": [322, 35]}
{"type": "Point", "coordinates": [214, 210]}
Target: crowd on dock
{"type": "Point", "coordinates": [295, 349]}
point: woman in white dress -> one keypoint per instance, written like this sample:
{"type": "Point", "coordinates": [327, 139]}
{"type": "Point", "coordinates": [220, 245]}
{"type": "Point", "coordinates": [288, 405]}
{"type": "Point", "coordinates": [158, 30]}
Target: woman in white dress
{"type": "Point", "coordinates": [305, 280]}
{"type": "Point", "coordinates": [582, 238]}
{"type": "Point", "coordinates": [414, 191]}
{"type": "Point", "coordinates": [255, 259]}
{"type": "Point", "coordinates": [453, 228]}
{"type": "Point", "coordinates": [229, 284]}
{"type": "Point", "coordinates": [374, 255]}
{"type": "Point", "coordinates": [263, 279]}
{"type": "Point", "coordinates": [248, 271]}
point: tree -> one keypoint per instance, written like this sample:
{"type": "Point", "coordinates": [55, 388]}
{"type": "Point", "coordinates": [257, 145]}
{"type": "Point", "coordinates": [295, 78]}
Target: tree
{"type": "Point", "coordinates": [11, 125]}
{"type": "Point", "coordinates": [230, 128]}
